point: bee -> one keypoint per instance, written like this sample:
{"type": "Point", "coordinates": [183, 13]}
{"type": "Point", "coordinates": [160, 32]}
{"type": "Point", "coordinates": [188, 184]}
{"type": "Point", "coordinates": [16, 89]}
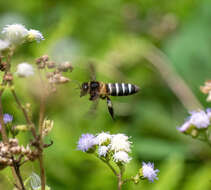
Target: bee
{"type": "Point", "coordinates": [100, 90]}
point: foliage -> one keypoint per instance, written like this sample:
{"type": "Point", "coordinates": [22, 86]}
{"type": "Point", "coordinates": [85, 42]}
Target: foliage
{"type": "Point", "coordinates": [116, 34]}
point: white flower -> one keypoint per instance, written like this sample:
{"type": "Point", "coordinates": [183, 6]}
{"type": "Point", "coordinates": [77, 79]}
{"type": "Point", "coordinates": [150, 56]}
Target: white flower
{"type": "Point", "coordinates": [120, 142]}
{"type": "Point", "coordinates": [102, 150]}
{"type": "Point", "coordinates": [15, 33]}
{"type": "Point", "coordinates": [35, 35]}
{"type": "Point", "coordinates": [121, 156]}
{"type": "Point", "coordinates": [149, 172]}
{"type": "Point", "coordinates": [4, 45]}
{"type": "Point", "coordinates": [103, 138]}
{"type": "Point", "coordinates": [24, 70]}
{"type": "Point", "coordinates": [199, 119]}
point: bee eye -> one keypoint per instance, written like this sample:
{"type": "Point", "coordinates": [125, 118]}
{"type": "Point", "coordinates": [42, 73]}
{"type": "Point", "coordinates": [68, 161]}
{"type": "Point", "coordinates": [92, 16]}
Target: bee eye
{"type": "Point", "coordinates": [85, 86]}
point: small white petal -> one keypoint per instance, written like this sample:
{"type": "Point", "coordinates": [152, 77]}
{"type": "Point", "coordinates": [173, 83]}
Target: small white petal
{"type": "Point", "coordinates": [149, 172]}
{"type": "Point", "coordinates": [102, 150]}
{"type": "Point", "coordinates": [103, 138]}
{"type": "Point", "coordinates": [15, 33]}
{"type": "Point", "coordinates": [35, 35]}
{"type": "Point", "coordinates": [120, 142]}
{"type": "Point", "coordinates": [24, 70]}
{"type": "Point", "coordinates": [121, 156]}
{"type": "Point", "coordinates": [184, 127]}
{"type": "Point", "coordinates": [199, 119]}
{"type": "Point", "coordinates": [4, 45]}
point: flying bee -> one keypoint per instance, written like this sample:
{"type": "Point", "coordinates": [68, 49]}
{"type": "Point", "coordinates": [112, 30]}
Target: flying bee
{"type": "Point", "coordinates": [103, 90]}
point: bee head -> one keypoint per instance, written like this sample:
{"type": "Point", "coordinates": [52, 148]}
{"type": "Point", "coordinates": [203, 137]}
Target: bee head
{"type": "Point", "coordinates": [84, 89]}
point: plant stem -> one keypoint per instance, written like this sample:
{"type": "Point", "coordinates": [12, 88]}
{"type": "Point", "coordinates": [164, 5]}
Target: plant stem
{"type": "Point", "coordinates": [120, 175]}
{"type": "Point", "coordinates": [5, 140]}
{"type": "Point", "coordinates": [28, 120]}
{"type": "Point", "coordinates": [17, 170]}
{"type": "Point", "coordinates": [42, 171]}
{"type": "Point", "coordinates": [109, 165]}
{"type": "Point", "coordinates": [41, 119]}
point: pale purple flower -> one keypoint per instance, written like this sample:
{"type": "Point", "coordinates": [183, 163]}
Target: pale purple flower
{"type": "Point", "coordinates": [149, 172]}
{"type": "Point", "coordinates": [208, 110]}
{"type": "Point", "coordinates": [86, 142]}
{"type": "Point", "coordinates": [199, 119]}
{"type": "Point", "coordinates": [184, 127]}
{"type": "Point", "coordinates": [7, 118]}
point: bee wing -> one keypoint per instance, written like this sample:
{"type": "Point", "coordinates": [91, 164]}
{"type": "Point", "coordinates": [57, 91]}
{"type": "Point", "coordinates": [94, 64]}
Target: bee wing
{"type": "Point", "coordinates": [93, 108]}
{"type": "Point", "coordinates": [92, 71]}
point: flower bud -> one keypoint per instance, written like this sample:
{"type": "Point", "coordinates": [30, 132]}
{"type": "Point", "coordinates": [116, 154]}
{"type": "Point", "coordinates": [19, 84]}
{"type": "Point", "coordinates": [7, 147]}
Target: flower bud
{"type": "Point", "coordinates": [21, 127]}
{"type": "Point", "coordinates": [47, 127]}
{"type": "Point", "coordinates": [45, 58]}
{"type": "Point", "coordinates": [50, 64]}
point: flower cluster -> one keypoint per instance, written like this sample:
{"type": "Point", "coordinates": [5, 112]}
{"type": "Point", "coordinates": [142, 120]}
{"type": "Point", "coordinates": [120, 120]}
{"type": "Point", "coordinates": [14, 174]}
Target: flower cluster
{"type": "Point", "coordinates": [55, 75]}
{"type": "Point", "coordinates": [16, 34]}
{"type": "Point", "coordinates": [197, 125]}
{"type": "Point", "coordinates": [197, 120]}
{"type": "Point", "coordinates": [11, 149]}
{"type": "Point", "coordinates": [115, 147]}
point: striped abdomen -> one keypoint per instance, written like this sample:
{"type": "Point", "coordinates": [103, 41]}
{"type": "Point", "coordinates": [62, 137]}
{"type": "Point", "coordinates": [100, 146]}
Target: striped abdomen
{"type": "Point", "coordinates": [121, 89]}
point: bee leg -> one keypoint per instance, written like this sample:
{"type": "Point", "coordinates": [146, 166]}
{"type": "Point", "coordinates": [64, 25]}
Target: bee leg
{"type": "Point", "coordinates": [93, 97]}
{"type": "Point", "coordinates": [110, 107]}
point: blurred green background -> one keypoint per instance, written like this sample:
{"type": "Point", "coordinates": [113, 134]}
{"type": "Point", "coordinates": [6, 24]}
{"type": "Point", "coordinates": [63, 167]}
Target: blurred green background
{"type": "Point", "coordinates": [154, 44]}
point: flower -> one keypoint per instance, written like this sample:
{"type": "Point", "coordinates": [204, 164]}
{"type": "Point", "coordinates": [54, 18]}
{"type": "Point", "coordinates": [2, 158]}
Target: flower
{"type": "Point", "coordinates": [35, 35]}
{"type": "Point", "coordinates": [149, 172]}
{"type": "Point", "coordinates": [103, 138]}
{"type": "Point", "coordinates": [102, 150]}
{"type": "Point", "coordinates": [15, 33]}
{"type": "Point", "coordinates": [184, 127]}
{"type": "Point", "coordinates": [4, 45]}
{"type": "Point", "coordinates": [86, 142]}
{"type": "Point", "coordinates": [121, 156]}
{"type": "Point", "coordinates": [120, 142]}
{"type": "Point", "coordinates": [199, 119]}
{"type": "Point", "coordinates": [7, 118]}
{"type": "Point", "coordinates": [24, 70]}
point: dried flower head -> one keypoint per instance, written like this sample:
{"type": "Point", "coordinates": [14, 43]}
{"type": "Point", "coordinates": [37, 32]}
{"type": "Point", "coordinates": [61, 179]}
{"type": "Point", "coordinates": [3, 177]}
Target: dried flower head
{"type": "Point", "coordinates": [149, 172]}
{"type": "Point", "coordinates": [24, 70]}
{"type": "Point", "coordinates": [15, 33]}
{"type": "Point", "coordinates": [206, 89]}
{"type": "Point", "coordinates": [47, 127]}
